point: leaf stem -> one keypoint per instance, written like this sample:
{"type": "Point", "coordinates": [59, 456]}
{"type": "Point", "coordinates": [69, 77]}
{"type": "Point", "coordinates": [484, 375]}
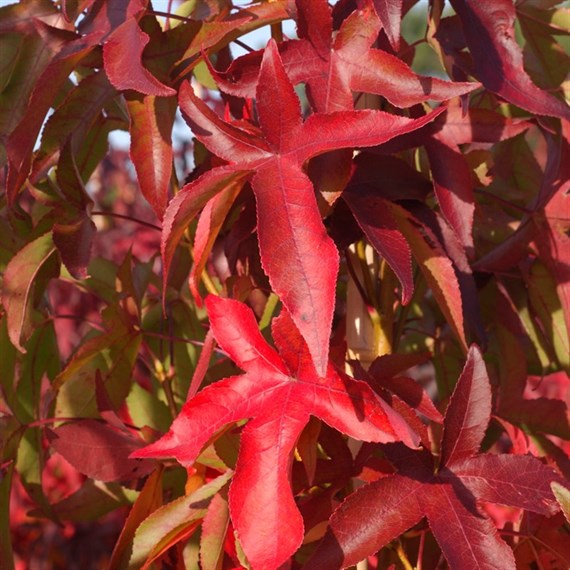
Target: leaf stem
{"type": "Point", "coordinates": [403, 557]}
{"type": "Point", "coordinates": [125, 217]}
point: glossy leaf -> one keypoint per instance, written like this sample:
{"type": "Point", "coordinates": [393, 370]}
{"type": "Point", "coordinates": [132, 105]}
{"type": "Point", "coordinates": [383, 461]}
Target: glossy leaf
{"type": "Point", "coordinates": [278, 394]}
{"type": "Point", "coordinates": [152, 119]}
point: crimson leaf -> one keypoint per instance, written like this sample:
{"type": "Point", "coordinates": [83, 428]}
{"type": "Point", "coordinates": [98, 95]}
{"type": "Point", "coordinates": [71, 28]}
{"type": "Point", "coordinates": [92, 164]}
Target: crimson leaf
{"type": "Point", "coordinates": [446, 495]}
{"type": "Point", "coordinates": [278, 393]}
{"type": "Point", "coordinates": [332, 68]}
{"type": "Point", "coordinates": [296, 252]}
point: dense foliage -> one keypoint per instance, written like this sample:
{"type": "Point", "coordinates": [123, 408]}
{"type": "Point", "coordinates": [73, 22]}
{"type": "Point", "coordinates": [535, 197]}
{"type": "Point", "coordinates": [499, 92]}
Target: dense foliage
{"type": "Point", "coordinates": [318, 316]}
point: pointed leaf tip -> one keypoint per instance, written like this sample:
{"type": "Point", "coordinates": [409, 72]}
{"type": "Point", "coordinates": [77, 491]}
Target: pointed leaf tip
{"type": "Point", "coordinates": [468, 412]}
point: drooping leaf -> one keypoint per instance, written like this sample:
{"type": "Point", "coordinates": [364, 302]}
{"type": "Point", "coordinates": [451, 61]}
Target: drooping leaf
{"type": "Point", "coordinates": [299, 257]}
{"type": "Point", "coordinates": [279, 393]}
{"type": "Point", "coordinates": [18, 287]}
{"type": "Point", "coordinates": [489, 31]}
{"type": "Point", "coordinates": [379, 512]}
{"type": "Point", "coordinates": [152, 118]}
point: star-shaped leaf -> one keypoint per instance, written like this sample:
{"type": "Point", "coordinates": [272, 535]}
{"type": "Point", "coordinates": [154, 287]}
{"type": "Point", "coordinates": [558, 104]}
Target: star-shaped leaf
{"type": "Point", "coordinates": [334, 67]}
{"type": "Point", "coordinates": [277, 394]}
{"type": "Point", "coordinates": [297, 254]}
{"type": "Point", "coordinates": [447, 494]}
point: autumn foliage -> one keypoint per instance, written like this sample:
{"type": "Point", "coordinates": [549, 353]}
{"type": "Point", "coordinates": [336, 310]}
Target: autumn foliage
{"type": "Point", "coordinates": [318, 315]}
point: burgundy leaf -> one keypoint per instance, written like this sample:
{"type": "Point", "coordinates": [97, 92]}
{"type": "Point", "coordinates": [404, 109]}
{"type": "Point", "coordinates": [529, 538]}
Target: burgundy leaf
{"type": "Point", "coordinates": [278, 406]}
{"type": "Point", "coordinates": [468, 412]}
{"type": "Point", "coordinates": [378, 224]}
{"type": "Point", "coordinates": [379, 512]}
{"type": "Point", "coordinates": [73, 241]}
{"type": "Point", "coordinates": [488, 26]}
{"type": "Point", "coordinates": [99, 451]}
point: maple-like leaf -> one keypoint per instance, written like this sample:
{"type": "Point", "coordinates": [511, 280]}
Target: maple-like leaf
{"type": "Point", "coordinates": [445, 493]}
{"type": "Point", "coordinates": [297, 254]}
{"type": "Point", "coordinates": [333, 68]}
{"type": "Point", "coordinates": [277, 394]}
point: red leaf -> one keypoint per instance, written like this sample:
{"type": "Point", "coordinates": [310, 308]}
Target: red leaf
{"type": "Point", "coordinates": [278, 397]}
{"type": "Point", "coordinates": [300, 259]}
{"type": "Point", "coordinates": [390, 14]}
{"type": "Point", "coordinates": [378, 224]}
{"type": "Point", "coordinates": [151, 146]}
{"type": "Point", "coordinates": [489, 30]}
{"type": "Point", "coordinates": [122, 55]}
{"type": "Point", "coordinates": [333, 69]}
{"type": "Point", "coordinates": [99, 451]}
{"type": "Point", "coordinates": [379, 512]}
{"type": "Point", "coordinates": [468, 412]}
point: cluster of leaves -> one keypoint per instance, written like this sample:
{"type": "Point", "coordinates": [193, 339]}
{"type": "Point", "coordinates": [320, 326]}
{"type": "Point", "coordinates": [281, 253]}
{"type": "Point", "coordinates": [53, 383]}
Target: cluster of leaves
{"type": "Point", "coordinates": [341, 335]}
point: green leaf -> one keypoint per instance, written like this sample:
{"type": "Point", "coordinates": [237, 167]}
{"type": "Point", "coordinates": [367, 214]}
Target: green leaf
{"type": "Point", "coordinates": [19, 286]}
{"type": "Point", "coordinates": [165, 526]}
{"type": "Point", "coordinates": [113, 353]}
{"type": "Point", "coordinates": [562, 495]}
{"type": "Point", "coordinates": [546, 304]}
{"type": "Point", "coordinates": [93, 500]}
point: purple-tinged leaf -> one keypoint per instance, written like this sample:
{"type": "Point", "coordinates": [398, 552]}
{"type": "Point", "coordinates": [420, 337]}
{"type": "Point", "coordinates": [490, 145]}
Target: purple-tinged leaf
{"type": "Point", "coordinates": [381, 511]}
{"type": "Point", "coordinates": [99, 451]}
{"type": "Point", "coordinates": [122, 55]}
{"type": "Point", "coordinates": [349, 541]}
{"type": "Point", "coordinates": [74, 241]}
{"type": "Point", "coordinates": [453, 187]}
{"type": "Point", "coordinates": [488, 26]}
{"type": "Point", "coordinates": [467, 539]}
{"type": "Point", "coordinates": [468, 412]}
{"type": "Point", "coordinates": [18, 287]}
{"type": "Point", "coordinates": [516, 481]}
